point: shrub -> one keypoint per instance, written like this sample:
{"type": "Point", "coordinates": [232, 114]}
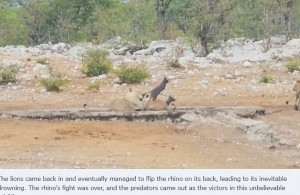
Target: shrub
{"type": "Point", "coordinates": [266, 79]}
{"type": "Point", "coordinates": [8, 74]}
{"type": "Point", "coordinates": [96, 62]}
{"type": "Point", "coordinates": [53, 84]}
{"type": "Point", "coordinates": [54, 73]}
{"type": "Point", "coordinates": [94, 85]}
{"type": "Point", "coordinates": [41, 60]}
{"type": "Point", "coordinates": [13, 28]}
{"type": "Point", "coordinates": [174, 63]}
{"type": "Point", "coordinates": [135, 74]}
{"type": "Point", "coordinates": [293, 64]}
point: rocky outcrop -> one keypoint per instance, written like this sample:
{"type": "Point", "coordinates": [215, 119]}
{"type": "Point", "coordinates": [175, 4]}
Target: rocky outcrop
{"type": "Point", "coordinates": [181, 114]}
{"type": "Point", "coordinates": [239, 50]}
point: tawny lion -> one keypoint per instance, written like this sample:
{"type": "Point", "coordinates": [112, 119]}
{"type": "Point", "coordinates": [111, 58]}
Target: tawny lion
{"type": "Point", "coordinates": [296, 88]}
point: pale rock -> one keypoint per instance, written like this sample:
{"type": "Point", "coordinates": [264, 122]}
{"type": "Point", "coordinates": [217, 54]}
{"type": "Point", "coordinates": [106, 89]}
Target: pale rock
{"type": "Point", "coordinates": [278, 40]}
{"type": "Point", "coordinates": [38, 66]}
{"type": "Point", "coordinates": [76, 67]}
{"type": "Point", "coordinates": [102, 76]}
{"type": "Point", "coordinates": [228, 76]}
{"type": "Point", "coordinates": [45, 76]}
{"type": "Point", "coordinates": [8, 63]}
{"type": "Point", "coordinates": [112, 43]}
{"type": "Point", "coordinates": [294, 43]}
{"type": "Point", "coordinates": [237, 73]}
{"type": "Point", "coordinates": [208, 74]}
{"type": "Point", "coordinates": [231, 159]}
{"type": "Point", "coordinates": [116, 80]}
{"type": "Point", "coordinates": [171, 77]}
{"type": "Point", "coordinates": [44, 46]}
{"type": "Point", "coordinates": [116, 86]}
{"type": "Point", "coordinates": [60, 48]}
{"type": "Point", "coordinates": [190, 117]}
{"type": "Point", "coordinates": [253, 81]}
{"type": "Point", "coordinates": [285, 142]}
{"type": "Point", "coordinates": [204, 83]}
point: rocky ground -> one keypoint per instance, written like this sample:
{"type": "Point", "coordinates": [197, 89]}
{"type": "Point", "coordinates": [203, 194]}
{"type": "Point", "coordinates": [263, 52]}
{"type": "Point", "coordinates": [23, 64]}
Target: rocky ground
{"type": "Point", "coordinates": [229, 76]}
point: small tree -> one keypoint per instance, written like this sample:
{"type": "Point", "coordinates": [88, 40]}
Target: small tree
{"type": "Point", "coordinates": [12, 28]}
{"type": "Point", "coordinates": [134, 74]}
{"type": "Point", "coordinates": [53, 84]}
{"type": "Point", "coordinates": [162, 7]}
{"type": "Point", "coordinates": [8, 74]}
{"type": "Point", "coordinates": [210, 17]}
{"type": "Point", "coordinates": [96, 62]}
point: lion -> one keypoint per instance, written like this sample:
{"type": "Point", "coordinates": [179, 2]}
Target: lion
{"type": "Point", "coordinates": [296, 88]}
{"type": "Point", "coordinates": [158, 103]}
{"type": "Point", "coordinates": [132, 101]}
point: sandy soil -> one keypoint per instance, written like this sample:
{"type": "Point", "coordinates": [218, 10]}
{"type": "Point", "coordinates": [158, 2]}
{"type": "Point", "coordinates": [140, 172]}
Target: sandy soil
{"type": "Point", "coordinates": [119, 144]}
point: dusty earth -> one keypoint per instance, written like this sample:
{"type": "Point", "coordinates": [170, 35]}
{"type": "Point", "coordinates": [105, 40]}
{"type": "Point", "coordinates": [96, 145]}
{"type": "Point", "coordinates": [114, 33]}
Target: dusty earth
{"type": "Point", "coordinates": [28, 143]}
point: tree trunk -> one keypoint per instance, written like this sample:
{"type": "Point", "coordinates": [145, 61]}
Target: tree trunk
{"type": "Point", "coordinates": [163, 25]}
{"type": "Point", "coordinates": [203, 47]}
{"type": "Point", "coordinates": [161, 9]}
{"type": "Point", "coordinates": [287, 20]}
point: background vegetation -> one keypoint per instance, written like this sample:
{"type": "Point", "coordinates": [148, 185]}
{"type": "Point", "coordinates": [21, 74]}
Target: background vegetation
{"type": "Point", "coordinates": [96, 62]}
{"type": "Point", "coordinates": [132, 74]}
{"type": "Point", "coordinates": [207, 22]}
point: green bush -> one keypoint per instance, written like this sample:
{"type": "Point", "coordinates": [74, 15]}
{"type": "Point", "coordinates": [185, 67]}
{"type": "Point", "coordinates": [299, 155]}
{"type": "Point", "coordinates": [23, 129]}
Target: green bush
{"type": "Point", "coordinates": [174, 63]}
{"type": "Point", "coordinates": [41, 60]}
{"type": "Point", "coordinates": [54, 73]}
{"type": "Point", "coordinates": [96, 62]}
{"type": "Point", "coordinates": [94, 85]}
{"type": "Point", "coordinates": [53, 84]}
{"type": "Point", "coordinates": [13, 30]}
{"type": "Point", "coordinates": [266, 79]}
{"type": "Point", "coordinates": [135, 74]}
{"type": "Point", "coordinates": [8, 74]}
{"type": "Point", "coordinates": [293, 64]}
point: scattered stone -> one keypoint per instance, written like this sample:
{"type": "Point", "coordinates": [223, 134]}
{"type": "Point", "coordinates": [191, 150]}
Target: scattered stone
{"type": "Point", "coordinates": [112, 43]}
{"type": "Point", "coordinates": [231, 159]}
{"type": "Point", "coordinates": [207, 74]}
{"type": "Point", "coordinates": [285, 142]}
{"type": "Point", "coordinates": [60, 48]}
{"type": "Point", "coordinates": [116, 85]}
{"type": "Point", "coordinates": [190, 117]}
{"type": "Point", "coordinates": [8, 63]}
{"type": "Point", "coordinates": [247, 64]}
{"type": "Point", "coordinates": [229, 76]}
{"type": "Point", "coordinates": [272, 147]}
{"type": "Point", "coordinates": [102, 76]}
{"type": "Point", "coordinates": [204, 83]}
{"type": "Point", "coordinates": [38, 66]}
{"type": "Point", "coordinates": [253, 81]}
{"type": "Point", "coordinates": [15, 87]}
{"type": "Point", "coordinates": [237, 73]}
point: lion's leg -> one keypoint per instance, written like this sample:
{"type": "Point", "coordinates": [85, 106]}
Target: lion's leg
{"type": "Point", "coordinates": [298, 100]}
{"type": "Point", "coordinates": [296, 107]}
